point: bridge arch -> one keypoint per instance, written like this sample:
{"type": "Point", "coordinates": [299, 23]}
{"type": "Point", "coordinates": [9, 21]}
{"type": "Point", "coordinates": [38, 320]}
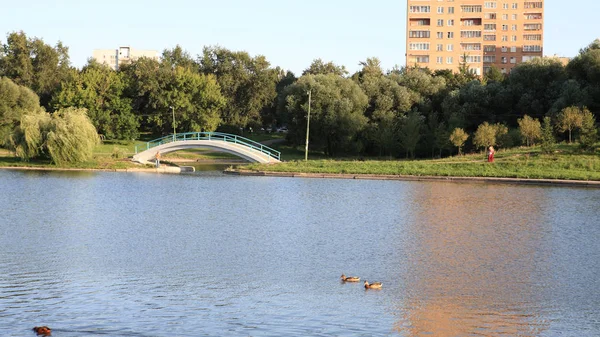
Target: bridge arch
{"type": "Point", "coordinates": [218, 141]}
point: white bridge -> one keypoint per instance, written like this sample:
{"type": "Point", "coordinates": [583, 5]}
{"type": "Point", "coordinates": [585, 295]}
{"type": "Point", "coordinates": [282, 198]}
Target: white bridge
{"type": "Point", "coordinates": [223, 142]}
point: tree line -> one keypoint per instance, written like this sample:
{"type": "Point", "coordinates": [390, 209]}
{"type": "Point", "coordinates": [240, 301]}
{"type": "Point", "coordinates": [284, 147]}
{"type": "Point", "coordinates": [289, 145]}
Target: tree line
{"type": "Point", "coordinates": [402, 112]}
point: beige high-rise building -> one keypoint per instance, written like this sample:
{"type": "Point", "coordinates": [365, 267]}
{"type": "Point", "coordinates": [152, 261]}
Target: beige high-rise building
{"type": "Point", "coordinates": [442, 34]}
{"type": "Point", "coordinates": [123, 55]}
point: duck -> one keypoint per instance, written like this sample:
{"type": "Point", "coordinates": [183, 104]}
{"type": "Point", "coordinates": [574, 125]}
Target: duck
{"type": "Point", "coordinates": [374, 285]}
{"type": "Point", "coordinates": [349, 278]}
{"type": "Point", "coordinates": [42, 330]}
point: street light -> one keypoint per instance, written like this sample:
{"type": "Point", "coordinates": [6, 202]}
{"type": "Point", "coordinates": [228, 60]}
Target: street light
{"type": "Point", "coordinates": [174, 131]}
{"type": "Point", "coordinates": [307, 127]}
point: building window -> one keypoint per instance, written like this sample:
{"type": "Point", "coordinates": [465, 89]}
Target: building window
{"type": "Point", "coordinates": [513, 49]}
{"type": "Point", "coordinates": [419, 34]}
{"type": "Point", "coordinates": [439, 60]}
{"type": "Point", "coordinates": [504, 6]}
{"type": "Point", "coordinates": [536, 4]}
{"type": "Point", "coordinates": [489, 48]}
{"type": "Point", "coordinates": [440, 47]}
{"type": "Point", "coordinates": [466, 34]}
{"type": "Point", "coordinates": [449, 60]}
{"type": "Point", "coordinates": [419, 9]}
{"type": "Point", "coordinates": [513, 59]}
{"type": "Point", "coordinates": [440, 22]}
{"type": "Point", "coordinates": [471, 8]}
{"type": "Point", "coordinates": [535, 16]}
{"type": "Point", "coordinates": [440, 35]}
{"type": "Point", "coordinates": [470, 46]}
{"type": "Point", "coordinates": [489, 59]}
{"type": "Point", "coordinates": [515, 5]}
{"type": "Point", "coordinates": [490, 16]}
{"type": "Point", "coordinates": [533, 48]}
{"type": "Point", "coordinates": [535, 37]}
{"type": "Point", "coordinates": [471, 59]}
{"type": "Point", "coordinates": [418, 46]}
{"type": "Point", "coordinates": [513, 27]}
{"type": "Point", "coordinates": [504, 38]}
{"type": "Point", "coordinates": [440, 10]}
{"type": "Point", "coordinates": [450, 10]}
{"type": "Point", "coordinates": [489, 37]}
{"type": "Point", "coordinates": [513, 38]}
{"type": "Point", "coordinates": [504, 27]}
{"type": "Point", "coordinates": [450, 35]}
{"type": "Point", "coordinates": [489, 27]}
{"type": "Point", "coordinates": [451, 22]}
{"type": "Point", "coordinates": [449, 47]}
{"type": "Point", "coordinates": [489, 4]}
{"type": "Point", "coordinates": [503, 59]}
{"type": "Point", "coordinates": [514, 16]}
{"type": "Point", "coordinates": [532, 26]}
{"type": "Point", "coordinates": [422, 59]}
{"type": "Point", "coordinates": [504, 16]}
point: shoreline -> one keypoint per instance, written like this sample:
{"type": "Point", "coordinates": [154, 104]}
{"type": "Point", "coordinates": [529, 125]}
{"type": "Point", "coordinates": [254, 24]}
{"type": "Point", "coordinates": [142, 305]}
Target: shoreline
{"type": "Point", "coordinates": [453, 179]}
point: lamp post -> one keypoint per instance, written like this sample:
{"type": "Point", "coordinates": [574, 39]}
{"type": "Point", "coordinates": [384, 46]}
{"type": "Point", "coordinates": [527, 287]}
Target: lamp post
{"type": "Point", "coordinates": [307, 127]}
{"type": "Point", "coordinates": [174, 131]}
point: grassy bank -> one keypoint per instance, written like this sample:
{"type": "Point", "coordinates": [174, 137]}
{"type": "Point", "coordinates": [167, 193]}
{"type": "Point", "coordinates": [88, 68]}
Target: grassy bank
{"type": "Point", "coordinates": [566, 163]}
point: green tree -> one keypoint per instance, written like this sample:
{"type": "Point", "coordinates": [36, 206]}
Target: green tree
{"type": "Point", "coordinates": [458, 137]}
{"type": "Point", "coordinates": [336, 112]}
{"type": "Point", "coordinates": [247, 83]}
{"type": "Point", "coordinates": [15, 101]}
{"type": "Point", "coordinates": [589, 132]}
{"type": "Point", "coordinates": [100, 90]}
{"type": "Point", "coordinates": [569, 119]}
{"type": "Point", "coordinates": [409, 132]}
{"type": "Point", "coordinates": [488, 134]}
{"type": "Point", "coordinates": [319, 67]}
{"type": "Point", "coordinates": [32, 63]}
{"type": "Point", "coordinates": [530, 129]}
{"type": "Point", "coordinates": [66, 136]}
{"type": "Point", "coordinates": [548, 142]}
{"type": "Point", "coordinates": [494, 75]}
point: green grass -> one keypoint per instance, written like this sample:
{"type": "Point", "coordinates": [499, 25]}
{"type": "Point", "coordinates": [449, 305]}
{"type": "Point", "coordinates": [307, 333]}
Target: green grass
{"type": "Point", "coordinates": [566, 163]}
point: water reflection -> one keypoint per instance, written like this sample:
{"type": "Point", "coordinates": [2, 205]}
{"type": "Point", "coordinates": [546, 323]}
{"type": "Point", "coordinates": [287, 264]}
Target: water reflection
{"type": "Point", "coordinates": [476, 265]}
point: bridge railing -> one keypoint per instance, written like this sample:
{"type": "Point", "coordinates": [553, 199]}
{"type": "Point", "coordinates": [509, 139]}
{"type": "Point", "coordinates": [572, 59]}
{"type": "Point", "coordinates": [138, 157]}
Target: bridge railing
{"type": "Point", "coordinates": [226, 137]}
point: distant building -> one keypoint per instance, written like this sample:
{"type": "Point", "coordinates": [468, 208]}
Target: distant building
{"type": "Point", "coordinates": [123, 55]}
{"type": "Point", "coordinates": [480, 33]}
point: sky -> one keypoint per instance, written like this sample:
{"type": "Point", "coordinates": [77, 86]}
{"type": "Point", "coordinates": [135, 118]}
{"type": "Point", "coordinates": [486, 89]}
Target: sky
{"type": "Point", "coordinates": [289, 33]}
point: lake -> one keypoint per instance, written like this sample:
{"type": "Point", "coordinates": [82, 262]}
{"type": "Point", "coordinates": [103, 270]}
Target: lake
{"type": "Point", "coordinates": [207, 254]}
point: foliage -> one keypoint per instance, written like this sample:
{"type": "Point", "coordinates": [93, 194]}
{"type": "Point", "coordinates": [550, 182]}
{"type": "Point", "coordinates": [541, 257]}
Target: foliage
{"type": "Point", "coordinates": [99, 89]}
{"type": "Point", "coordinates": [66, 136]}
{"type": "Point", "coordinates": [488, 134]}
{"type": "Point", "coordinates": [336, 112]}
{"type": "Point", "coordinates": [547, 139]}
{"type": "Point", "coordinates": [15, 101]}
{"type": "Point", "coordinates": [409, 132]}
{"type": "Point", "coordinates": [530, 129]}
{"type": "Point", "coordinates": [319, 67]}
{"type": "Point", "coordinates": [247, 83]}
{"type": "Point", "coordinates": [458, 137]}
{"type": "Point", "coordinates": [569, 119]}
{"type": "Point", "coordinates": [589, 132]}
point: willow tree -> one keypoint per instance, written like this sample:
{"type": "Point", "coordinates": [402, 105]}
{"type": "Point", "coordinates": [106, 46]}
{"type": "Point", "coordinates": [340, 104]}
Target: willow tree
{"type": "Point", "coordinates": [15, 101]}
{"type": "Point", "coordinates": [66, 136]}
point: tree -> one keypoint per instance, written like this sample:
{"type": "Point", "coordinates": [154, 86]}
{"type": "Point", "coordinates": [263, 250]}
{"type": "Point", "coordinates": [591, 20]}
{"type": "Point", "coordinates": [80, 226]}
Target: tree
{"type": "Point", "coordinates": [589, 132]}
{"type": "Point", "coordinates": [100, 90]}
{"type": "Point", "coordinates": [32, 63]}
{"type": "Point", "coordinates": [494, 75]}
{"type": "Point", "coordinates": [488, 134]}
{"type": "Point", "coordinates": [319, 67]}
{"type": "Point", "coordinates": [66, 136]}
{"type": "Point", "coordinates": [410, 132]}
{"type": "Point", "coordinates": [247, 83]}
{"type": "Point", "coordinates": [530, 129]}
{"type": "Point", "coordinates": [15, 101]}
{"type": "Point", "coordinates": [336, 112]}
{"type": "Point", "coordinates": [458, 137]}
{"type": "Point", "coordinates": [569, 119]}
{"type": "Point", "coordinates": [548, 141]}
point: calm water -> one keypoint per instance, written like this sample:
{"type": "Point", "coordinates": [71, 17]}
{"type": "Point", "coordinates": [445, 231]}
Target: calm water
{"type": "Point", "coordinates": [121, 254]}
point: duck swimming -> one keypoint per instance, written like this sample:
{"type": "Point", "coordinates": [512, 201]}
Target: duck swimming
{"type": "Point", "coordinates": [374, 285]}
{"type": "Point", "coordinates": [42, 330]}
{"type": "Point", "coordinates": [349, 278]}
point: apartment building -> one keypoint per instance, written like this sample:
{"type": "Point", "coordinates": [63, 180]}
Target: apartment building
{"type": "Point", "coordinates": [442, 34]}
{"type": "Point", "coordinates": [123, 55]}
